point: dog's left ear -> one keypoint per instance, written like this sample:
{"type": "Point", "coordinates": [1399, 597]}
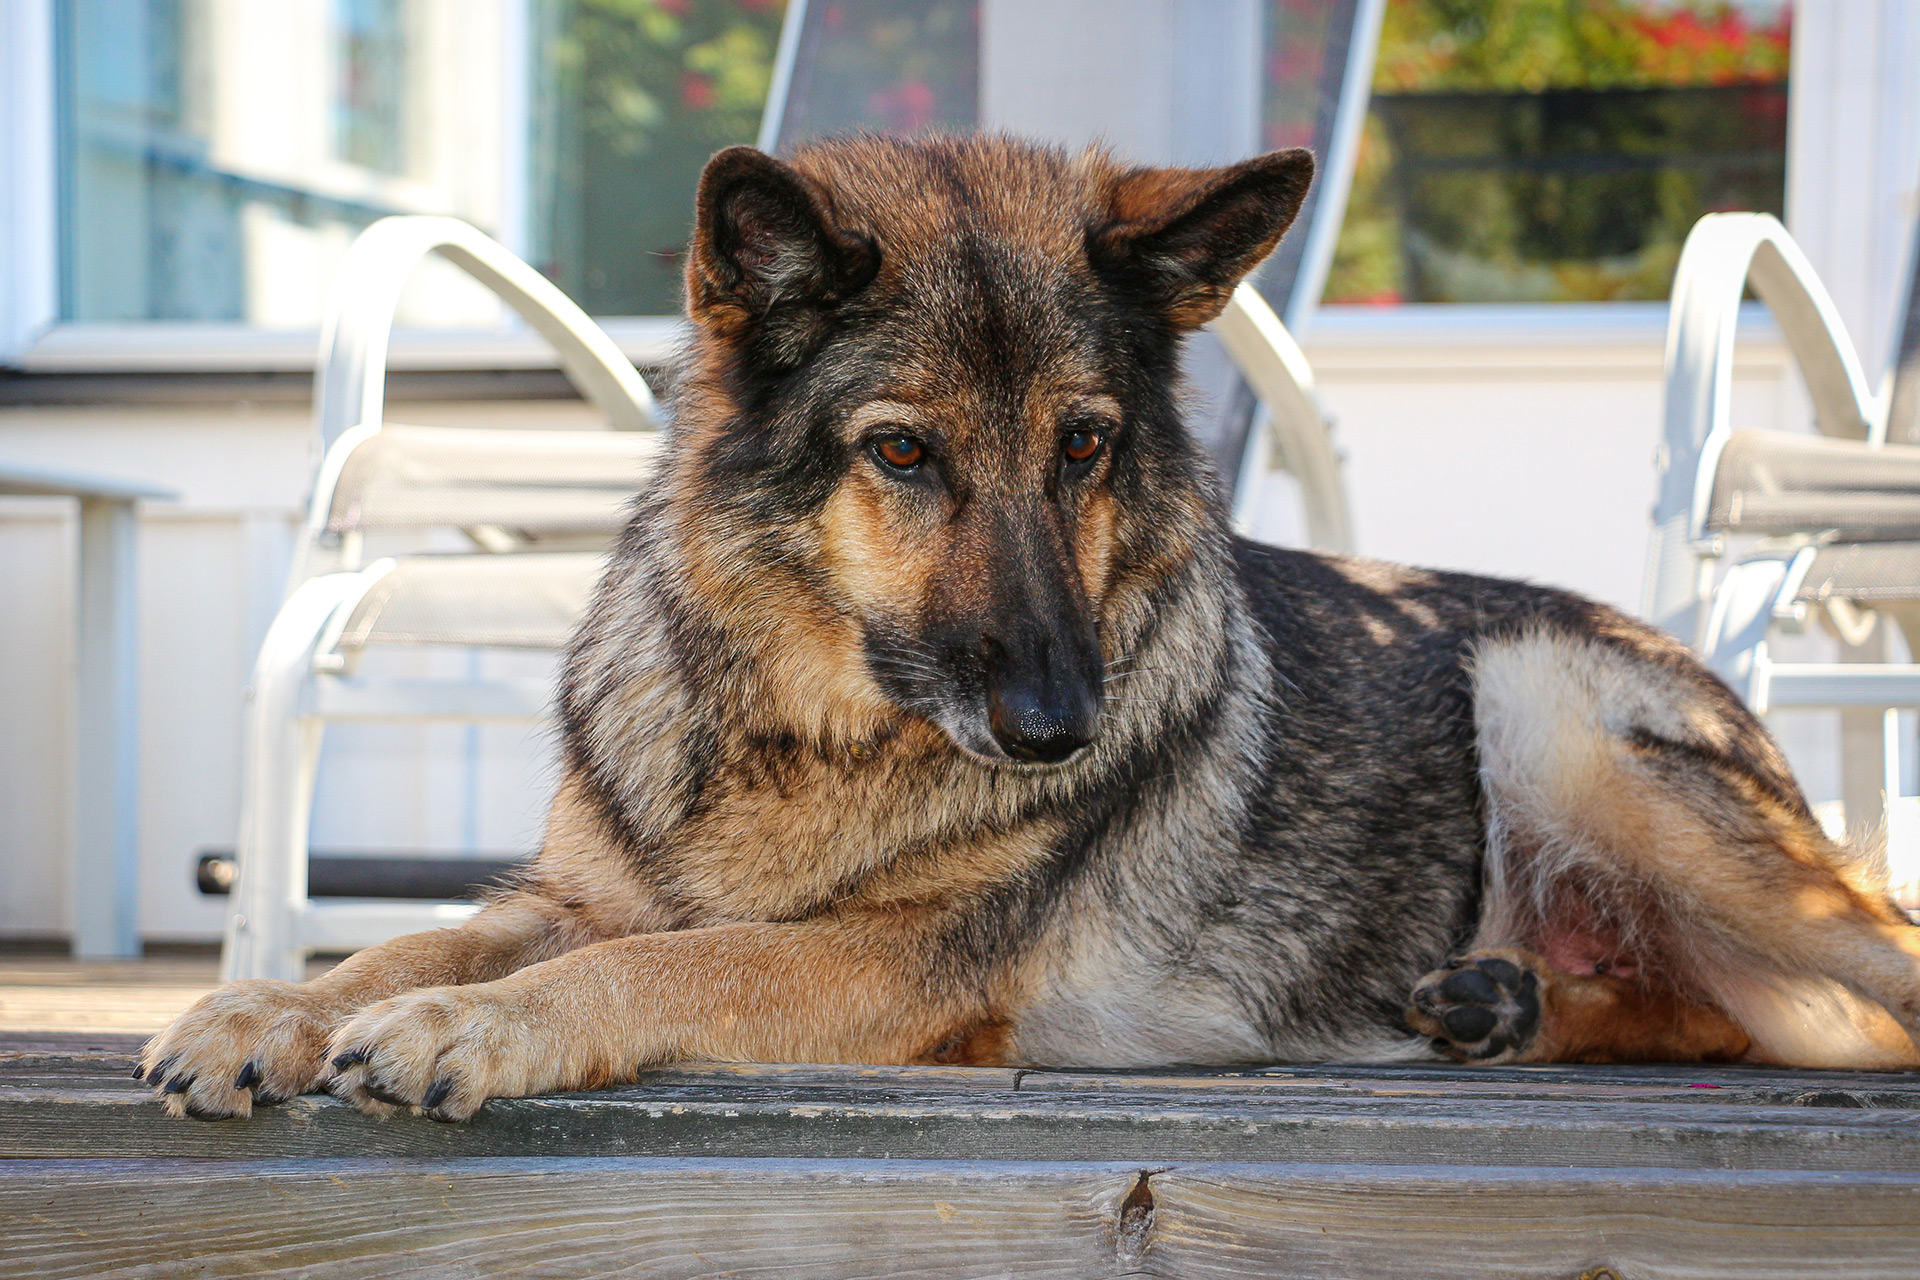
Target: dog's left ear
{"type": "Point", "coordinates": [1180, 239]}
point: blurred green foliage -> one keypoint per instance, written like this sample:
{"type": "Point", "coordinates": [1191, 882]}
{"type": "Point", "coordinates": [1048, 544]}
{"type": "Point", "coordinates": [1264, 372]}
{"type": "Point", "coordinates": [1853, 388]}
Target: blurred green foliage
{"type": "Point", "coordinates": [1574, 44]}
{"type": "Point", "coordinates": [636, 95]}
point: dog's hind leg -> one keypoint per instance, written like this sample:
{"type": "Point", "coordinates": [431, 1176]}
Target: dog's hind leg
{"type": "Point", "coordinates": [1509, 1005]}
{"type": "Point", "coordinates": [1650, 855]}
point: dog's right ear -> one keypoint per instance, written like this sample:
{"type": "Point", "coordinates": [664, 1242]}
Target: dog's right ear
{"type": "Point", "coordinates": [1180, 239]}
{"type": "Point", "coordinates": [767, 252]}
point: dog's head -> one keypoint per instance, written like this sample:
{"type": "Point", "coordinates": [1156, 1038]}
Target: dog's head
{"type": "Point", "coordinates": [931, 419]}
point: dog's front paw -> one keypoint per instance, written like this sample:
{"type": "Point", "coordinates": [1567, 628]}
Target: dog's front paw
{"type": "Point", "coordinates": [1484, 1008]}
{"type": "Point", "coordinates": [248, 1042]}
{"type": "Point", "coordinates": [445, 1050]}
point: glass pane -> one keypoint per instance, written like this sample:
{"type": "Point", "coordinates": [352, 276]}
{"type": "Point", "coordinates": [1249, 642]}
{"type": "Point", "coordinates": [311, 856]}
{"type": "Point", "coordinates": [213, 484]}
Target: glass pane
{"type": "Point", "coordinates": [897, 66]}
{"type": "Point", "coordinates": [632, 98]}
{"type": "Point", "coordinates": [1308, 43]}
{"type": "Point", "coordinates": [1559, 150]}
{"type": "Point", "coordinates": [218, 157]}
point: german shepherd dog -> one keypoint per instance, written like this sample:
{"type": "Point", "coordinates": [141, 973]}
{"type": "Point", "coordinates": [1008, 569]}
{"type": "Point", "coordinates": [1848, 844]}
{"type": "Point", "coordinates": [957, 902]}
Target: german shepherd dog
{"type": "Point", "coordinates": [930, 712]}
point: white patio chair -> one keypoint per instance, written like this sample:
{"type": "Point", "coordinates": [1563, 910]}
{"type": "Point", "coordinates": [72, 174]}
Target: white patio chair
{"type": "Point", "coordinates": [1836, 515]}
{"type": "Point", "coordinates": [532, 513]}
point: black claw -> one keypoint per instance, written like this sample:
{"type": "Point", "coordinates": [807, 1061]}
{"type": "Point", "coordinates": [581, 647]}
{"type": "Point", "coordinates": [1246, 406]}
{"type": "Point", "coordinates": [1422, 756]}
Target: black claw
{"type": "Point", "coordinates": [179, 1084]}
{"type": "Point", "coordinates": [1504, 972]}
{"type": "Point", "coordinates": [248, 1075]}
{"type": "Point", "coordinates": [164, 1068]}
{"type": "Point", "coordinates": [351, 1058]}
{"type": "Point", "coordinates": [437, 1093]}
{"type": "Point", "coordinates": [1469, 1023]}
{"type": "Point", "coordinates": [139, 1072]}
{"type": "Point", "coordinates": [1470, 986]}
{"type": "Point", "coordinates": [261, 1098]}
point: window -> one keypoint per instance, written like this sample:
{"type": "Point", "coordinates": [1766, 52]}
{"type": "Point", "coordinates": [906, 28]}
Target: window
{"type": "Point", "coordinates": [1559, 150]}
{"type": "Point", "coordinates": [217, 158]}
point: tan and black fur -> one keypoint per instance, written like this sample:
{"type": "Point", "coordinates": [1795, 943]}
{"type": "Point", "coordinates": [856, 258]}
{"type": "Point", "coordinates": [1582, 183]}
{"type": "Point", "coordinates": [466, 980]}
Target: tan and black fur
{"type": "Point", "coordinates": [929, 712]}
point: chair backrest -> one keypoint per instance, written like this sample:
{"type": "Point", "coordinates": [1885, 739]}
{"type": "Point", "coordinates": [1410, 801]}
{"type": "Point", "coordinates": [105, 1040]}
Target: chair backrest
{"type": "Point", "coordinates": [1195, 89]}
{"type": "Point", "coordinates": [910, 66]}
{"type": "Point", "coordinates": [350, 382]}
{"type": "Point", "coordinates": [1724, 254]}
{"type": "Point", "coordinates": [507, 490]}
{"type": "Point", "coordinates": [1903, 406]}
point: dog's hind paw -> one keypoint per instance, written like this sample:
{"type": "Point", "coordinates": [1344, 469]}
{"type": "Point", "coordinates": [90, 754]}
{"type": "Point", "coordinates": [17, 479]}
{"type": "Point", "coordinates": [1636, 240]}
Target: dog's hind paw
{"type": "Point", "coordinates": [1484, 1008]}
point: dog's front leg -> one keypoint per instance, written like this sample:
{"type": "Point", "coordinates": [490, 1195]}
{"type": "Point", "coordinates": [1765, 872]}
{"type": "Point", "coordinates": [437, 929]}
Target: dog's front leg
{"type": "Point", "coordinates": [266, 1041]}
{"type": "Point", "coordinates": [847, 989]}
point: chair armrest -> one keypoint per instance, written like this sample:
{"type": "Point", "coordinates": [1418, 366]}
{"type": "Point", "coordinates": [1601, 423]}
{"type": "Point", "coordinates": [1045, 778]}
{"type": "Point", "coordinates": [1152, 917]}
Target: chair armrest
{"type": "Point", "coordinates": [1276, 368]}
{"type": "Point", "coordinates": [351, 382]}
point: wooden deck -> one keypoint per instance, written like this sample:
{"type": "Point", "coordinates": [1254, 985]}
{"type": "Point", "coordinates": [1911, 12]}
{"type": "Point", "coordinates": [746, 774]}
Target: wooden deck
{"type": "Point", "coordinates": [1548, 1173]}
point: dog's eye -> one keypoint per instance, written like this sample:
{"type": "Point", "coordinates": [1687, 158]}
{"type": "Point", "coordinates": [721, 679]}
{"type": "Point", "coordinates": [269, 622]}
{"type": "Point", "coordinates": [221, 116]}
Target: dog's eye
{"type": "Point", "coordinates": [1081, 445]}
{"type": "Point", "coordinates": [902, 453]}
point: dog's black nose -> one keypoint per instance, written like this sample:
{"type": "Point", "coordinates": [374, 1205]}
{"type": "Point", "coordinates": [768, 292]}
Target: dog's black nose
{"type": "Point", "coordinates": [1042, 725]}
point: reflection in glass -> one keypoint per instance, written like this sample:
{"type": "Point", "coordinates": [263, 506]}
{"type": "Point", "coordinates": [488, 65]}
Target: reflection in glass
{"type": "Point", "coordinates": [371, 58]}
{"type": "Point", "coordinates": [1557, 152]}
{"type": "Point", "coordinates": [896, 66]}
{"type": "Point", "coordinates": [217, 158]}
{"type": "Point", "coordinates": [632, 98]}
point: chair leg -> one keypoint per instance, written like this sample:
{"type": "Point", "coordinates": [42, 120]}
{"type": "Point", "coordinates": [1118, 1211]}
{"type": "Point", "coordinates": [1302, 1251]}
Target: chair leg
{"type": "Point", "coordinates": [1863, 757]}
{"type": "Point", "coordinates": [1736, 631]}
{"type": "Point", "coordinates": [281, 756]}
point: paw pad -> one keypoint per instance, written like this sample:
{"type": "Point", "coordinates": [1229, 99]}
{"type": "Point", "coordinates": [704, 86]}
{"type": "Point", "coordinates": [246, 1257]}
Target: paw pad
{"type": "Point", "coordinates": [1481, 1009]}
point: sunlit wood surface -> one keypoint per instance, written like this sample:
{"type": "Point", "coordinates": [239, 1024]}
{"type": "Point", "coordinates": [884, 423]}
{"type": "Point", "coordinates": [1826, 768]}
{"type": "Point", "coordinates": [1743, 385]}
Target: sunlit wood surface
{"type": "Point", "coordinates": [48, 998]}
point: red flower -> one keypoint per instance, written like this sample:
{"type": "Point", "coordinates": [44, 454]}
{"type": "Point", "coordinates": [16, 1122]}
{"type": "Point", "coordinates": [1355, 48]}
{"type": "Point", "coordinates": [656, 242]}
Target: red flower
{"type": "Point", "coordinates": [906, 107]}
{"type": "Point", "coordinates": [696, 91]}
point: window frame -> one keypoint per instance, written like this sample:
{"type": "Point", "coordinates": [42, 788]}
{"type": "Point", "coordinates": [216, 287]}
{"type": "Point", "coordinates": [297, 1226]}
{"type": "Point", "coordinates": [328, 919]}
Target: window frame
{"type": "Point", "coordinates": [29, 178]}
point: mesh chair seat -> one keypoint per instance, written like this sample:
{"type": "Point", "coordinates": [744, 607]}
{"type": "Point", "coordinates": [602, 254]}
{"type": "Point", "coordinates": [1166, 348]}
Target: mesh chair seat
{"type": "Point", "coordinates": [529, 601]}
{"type": "Point", "coordinates": [537, 481]}
{"type": "Point", "coordinates": [1773, 482]}
{"type": "Point", "coordinates": [1866, 572]}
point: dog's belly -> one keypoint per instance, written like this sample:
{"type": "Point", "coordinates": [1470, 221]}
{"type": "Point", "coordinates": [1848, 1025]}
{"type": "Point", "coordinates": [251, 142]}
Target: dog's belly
{"type": "Point", "coordinates": [1094, 1012]}
{"type": "Point", "coordinates": [1136, 1024]}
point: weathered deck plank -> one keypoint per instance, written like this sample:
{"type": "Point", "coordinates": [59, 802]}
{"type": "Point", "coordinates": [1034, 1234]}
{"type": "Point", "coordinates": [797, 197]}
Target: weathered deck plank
{"type": "Point", "coordinates": [79, 1108]}
{"type": "Point", "coordinates": [844, 1220]}
{"type": "Point", "coordinates": [1324, 1171]}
